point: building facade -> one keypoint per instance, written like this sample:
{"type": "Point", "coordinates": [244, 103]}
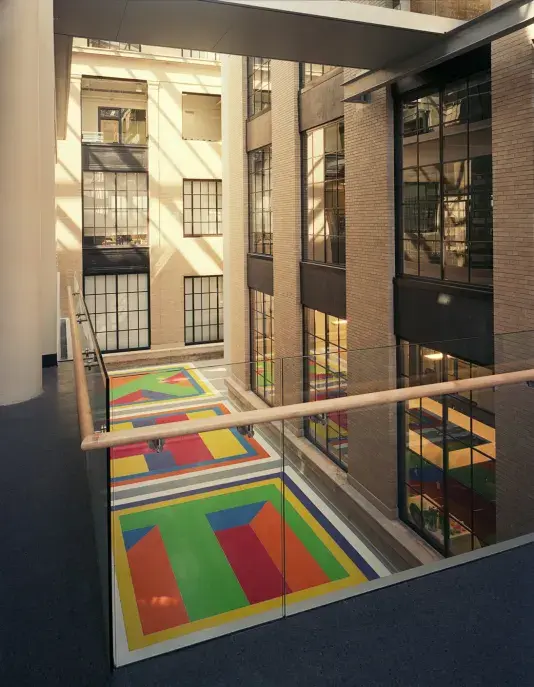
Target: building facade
{"type": "Point", "coordinates": [139, 195]}
{"type": "Point", "coordinates": [370, 248]}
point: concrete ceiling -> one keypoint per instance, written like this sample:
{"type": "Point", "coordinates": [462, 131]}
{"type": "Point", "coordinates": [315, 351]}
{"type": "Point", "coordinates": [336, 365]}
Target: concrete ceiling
{"type": "Point", "coordinates": [321, 31]}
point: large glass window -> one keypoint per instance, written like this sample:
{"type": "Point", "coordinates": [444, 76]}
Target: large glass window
{"type": "Point", "coordinates": [324, 151]}
{"type": "Point", "coordinates": [203, 309]}
{"type": "Point", "coordinates": [448, 448]}
{"type": "Point", "coordinates": [262, 345]}
{"type": "Point", "coordinates": [118, 306]}
{"type": "Point", "coordinates": [310, 72]}
{"type": "Point", "coordinates": [122, 125]}
{"type": "Point", "coordinates": [325, 376]}
{"type": "Point", "coordinates": [447, 196]}
{"type": "Point", "coordinates": [202, 207]}
{"type": "Point", "coordinates": [259, 84]}
{"type": "Point", "coordinates": [201, 117]}
{"type": "Point", "coordinates": [259, 201]}
{"type": "Point", "coordinates": [115, 209]}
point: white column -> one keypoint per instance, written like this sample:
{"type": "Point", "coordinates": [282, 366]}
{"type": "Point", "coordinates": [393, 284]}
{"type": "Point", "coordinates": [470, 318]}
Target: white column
{"type": "Point", "coordinates": [47, 134]}
{"type": "Point", "coordinates": [20, 322]}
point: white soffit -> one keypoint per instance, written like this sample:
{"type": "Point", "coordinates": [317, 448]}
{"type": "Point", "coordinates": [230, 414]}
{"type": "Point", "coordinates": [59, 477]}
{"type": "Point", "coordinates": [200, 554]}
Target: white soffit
{"type": "Point", "coordinates": [323, 31]}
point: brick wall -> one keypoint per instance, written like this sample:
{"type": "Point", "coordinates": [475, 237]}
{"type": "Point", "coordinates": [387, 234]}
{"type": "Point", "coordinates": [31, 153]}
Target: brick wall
{"type": "Point", "coordinates": [370, 269]}
{"type": "Point", "coordinates": [286, 209]}
{"type": "Point", "coordinates": [513, 214]}
{"type": "Point", "coordinates": [454, 9]}
{"type": "Point", "coordinates": [235, 220]}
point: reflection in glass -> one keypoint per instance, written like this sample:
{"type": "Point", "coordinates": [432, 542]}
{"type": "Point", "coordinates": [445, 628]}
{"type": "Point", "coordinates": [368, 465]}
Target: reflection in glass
{"type": "Point", "coordinates": [449, 454]}
{"type": "Point", "coordinates": [259, 84]}
{"type": "Point", "coordinates": [325, 188]}
{"type": "Point", "coordinates": [262, 345]}
{"type": "Point", "coordinates": [326, 377]}
{"type": "Point", "coordinates": [259, 195]}
{"type": "Point", "coordinates": [447, 225]}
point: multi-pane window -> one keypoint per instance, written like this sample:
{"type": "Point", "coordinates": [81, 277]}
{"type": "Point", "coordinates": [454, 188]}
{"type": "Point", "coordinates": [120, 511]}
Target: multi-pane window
{"type": "Point", "coordinates": [448, 472]}
{"type": "Point", "coordinates": [262, 344]}
{"type": "Point", "coordinates": [198, 54]}
{"type": "Point", "coordinates": [118, 305]}
{"type": "Point", "coordinates": [259, 198]}
{"type": "Point", "coordinates": [203, 309]}
{"type": "Point", "coordinates": [113, 45]}
{"type": "Point", "coordinates": [325, 376]}
{"type": "Point", "coordinates": [447, 195]}
{"type": "Point", "coordinates": [324, 192]}
{"type": "Point", "coordinates": [122, 125]}
{"type": "Point", "coordinates": [310, 72]}
{"type": "Point", "coordinates": [202, 207]}
{"type": "Point", "coordinates": [259, 84]}
{"type": "Point", "coordinates": [115, 209]}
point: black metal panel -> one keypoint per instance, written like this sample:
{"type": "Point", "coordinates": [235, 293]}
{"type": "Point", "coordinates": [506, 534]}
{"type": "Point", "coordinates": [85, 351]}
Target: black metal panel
{"type": "Point", "coordinates": [323, 288]}
{"type": "Point", "coordinates": [260, 273]}
{"type": "Point", "coordinates": [97, 157]}
{"type": "Point", "coordinates": [454, 319]}
{"type": "Point", "coordinates": [322, 102]}
{"type": "Point", "coordinates": [115, 260]}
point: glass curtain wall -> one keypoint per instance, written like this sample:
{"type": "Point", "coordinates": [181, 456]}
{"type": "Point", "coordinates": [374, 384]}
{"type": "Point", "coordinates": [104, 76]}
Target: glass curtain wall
{"type": "Point", "coordinates": [324, 231]}
{"type": "Point", "coordinates": [262, 344]}
{"type": "Point", "coordinates": [447, 196]}
{"type": "Point", "coordinates": [259, 201]}
{"type": "Point", "coordinates": [448, 451]}
{"type": "Point", "coordinates": [325, 376]}
{"type": "Point", "coordinates": [259, 84]}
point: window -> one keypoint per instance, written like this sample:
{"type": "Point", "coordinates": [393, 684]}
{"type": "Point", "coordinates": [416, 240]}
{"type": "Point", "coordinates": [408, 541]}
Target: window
{"type": "Point", "coordinates": [259, 201]}
{"type": "Point", "coordinates": [259, 84]}
{"type": "Point", "coordinates": [198, 54]}
{"type": "Point", "coordinates": [325, 376]}
{"type": "Point", "coordinates": [113, 45]}
{"type": "Point", "coordinates": [324, 191]}
{"type": "Point", "coordinates": [448, 454]}
{"type": "Point", "coordinates": [115, 209]}
{"type": "Point", "coordinates": [310, 72]}
{"type": "Point", "coordinates": [262, 345]}
{"type": "Point", "coordinates": [122, 125]}
{"type": "Point", "coordinates": [447, 190]}
{"type": "Point", "coordinates": [201, 117]}
{"type": "Point", "coordinates": [202, 207]}
{"type": "Point", "coordinates": [118, 307]}
{"type": "Point", "coordinates": [203, 309]}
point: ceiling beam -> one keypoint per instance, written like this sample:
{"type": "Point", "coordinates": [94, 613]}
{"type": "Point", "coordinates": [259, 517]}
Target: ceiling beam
{"type": "Point", "coordinates": [496, 23]}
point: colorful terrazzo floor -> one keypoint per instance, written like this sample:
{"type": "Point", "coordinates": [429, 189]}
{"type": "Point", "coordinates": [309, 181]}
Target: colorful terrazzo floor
{"type": "Point", "coordinates": [212, 535]}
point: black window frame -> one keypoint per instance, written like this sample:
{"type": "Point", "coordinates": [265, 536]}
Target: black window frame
{"type": "Point", "coordinates": [308, 75]}
{"type": "Point", "coordinates": [113, 45]}
{"type": "Point", "coordinates": [218, 208]}
{"type": "Point", "coordinates": [336, 381]}
{"type": "Point", "coordinates": [444, 207]}
{"type": "Point", "coordinates": [115, 276]}
{"type": "Point", "coordinates": [205, 297]}
{"type": "Point", "coordinates": [262, 342]}
{"type": "Point", "coordinates": [115, 191]}
{"type": "Point", "coordinates": [337, 211]}
{"type": "Point", "coordinates": [260, 220]}
{"type": "Point", "coordinates": [450, 488]}
{"type": "Point", "coordinates": [258, 99]}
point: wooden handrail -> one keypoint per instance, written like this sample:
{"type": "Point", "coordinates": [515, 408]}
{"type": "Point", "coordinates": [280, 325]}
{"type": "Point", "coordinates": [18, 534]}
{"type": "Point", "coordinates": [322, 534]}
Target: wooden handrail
{"type": "Point", "coordinates": [85, 416]}
{"type": "Point", "coordinates": [299, 410]}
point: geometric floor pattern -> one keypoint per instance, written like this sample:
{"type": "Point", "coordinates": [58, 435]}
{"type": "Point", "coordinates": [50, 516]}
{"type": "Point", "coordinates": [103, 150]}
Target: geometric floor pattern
{"type": "Point", "coordinates": [201, 560]}
{"type": "Point", "coordinates": [197, 558]}
{"type": "Point", "coordinates": [138, 463]}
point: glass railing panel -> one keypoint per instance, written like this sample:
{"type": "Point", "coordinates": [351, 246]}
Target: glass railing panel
{"type": "Point", "coordinates": [197, 519]}
{"type": "Point", "coordinates": [97, 462]}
